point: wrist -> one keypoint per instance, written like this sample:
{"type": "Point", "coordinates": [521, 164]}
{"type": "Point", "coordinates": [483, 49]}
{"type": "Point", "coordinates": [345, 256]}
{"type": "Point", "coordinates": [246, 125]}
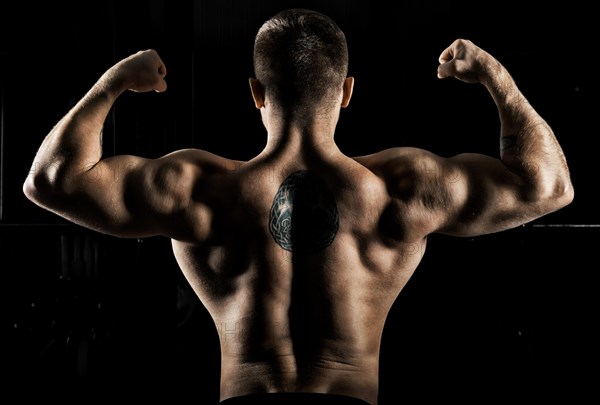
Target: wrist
{"type": "Point", "coordinates": [112, 84]}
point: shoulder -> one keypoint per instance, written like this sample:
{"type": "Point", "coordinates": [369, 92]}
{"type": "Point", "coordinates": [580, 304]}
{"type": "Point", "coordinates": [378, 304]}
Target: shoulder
{"type": "Point", "coordinates": [414, 174]}
{"type": "Point", "coordinates": [188, 165]}
{"type": "Point", "coordinates": [177, 176]}
{"type": "Point", "coordinates": [400, 162]}
{"type": "Point", "coordinates": [406, 153]}
{"type": "Point", "coordinates": [199, 159]}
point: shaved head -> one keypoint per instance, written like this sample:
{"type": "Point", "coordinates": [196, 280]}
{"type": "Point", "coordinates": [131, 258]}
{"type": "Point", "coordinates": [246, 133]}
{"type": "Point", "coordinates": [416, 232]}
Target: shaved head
{"type": "Point", "coordinates": [301, 59]}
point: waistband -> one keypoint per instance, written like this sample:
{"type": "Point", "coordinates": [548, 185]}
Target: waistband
{"type": "Point", "coordinates": [293, 398]}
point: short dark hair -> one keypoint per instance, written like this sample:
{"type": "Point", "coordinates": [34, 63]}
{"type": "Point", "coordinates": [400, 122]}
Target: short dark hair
{"type": "Point", "coordinates": [300, 58]}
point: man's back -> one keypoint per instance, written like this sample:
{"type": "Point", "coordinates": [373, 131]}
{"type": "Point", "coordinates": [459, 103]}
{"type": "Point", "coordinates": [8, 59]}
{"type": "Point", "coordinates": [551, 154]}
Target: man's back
{"type": "Point", "coordinates": [298, 269]}
{"type": "Point", "coordinates": [299, 253]}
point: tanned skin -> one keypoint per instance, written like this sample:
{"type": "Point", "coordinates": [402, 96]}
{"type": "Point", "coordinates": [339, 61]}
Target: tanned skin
{"type": "Point", "coordinates": [300, 311]}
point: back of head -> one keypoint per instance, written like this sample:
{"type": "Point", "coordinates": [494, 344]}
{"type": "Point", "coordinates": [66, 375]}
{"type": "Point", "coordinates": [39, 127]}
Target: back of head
{"type": "Point", "coordinates": [301, 59]}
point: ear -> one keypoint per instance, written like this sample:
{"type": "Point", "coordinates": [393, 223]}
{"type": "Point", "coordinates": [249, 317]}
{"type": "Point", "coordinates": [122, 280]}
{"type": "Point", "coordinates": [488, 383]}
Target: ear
{"type": "Point", "coordinates": [258, 93]}
{"type": "Point", "coordinates": [348, 86]}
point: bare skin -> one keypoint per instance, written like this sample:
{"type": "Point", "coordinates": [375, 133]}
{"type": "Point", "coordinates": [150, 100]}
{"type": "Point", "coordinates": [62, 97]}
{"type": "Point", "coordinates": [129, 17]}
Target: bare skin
{"type": "Point", "coordinates": [304, 314]}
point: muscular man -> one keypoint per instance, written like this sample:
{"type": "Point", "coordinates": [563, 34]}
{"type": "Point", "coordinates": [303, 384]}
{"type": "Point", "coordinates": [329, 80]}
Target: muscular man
{"type": "Point", "coordinates": [299, 253]}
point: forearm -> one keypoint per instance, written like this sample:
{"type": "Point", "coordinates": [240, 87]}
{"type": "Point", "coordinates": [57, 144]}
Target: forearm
{"type": "Point", "coordinates": [528, 146]}
{"type": "Point", "coordinates": [74, 145]}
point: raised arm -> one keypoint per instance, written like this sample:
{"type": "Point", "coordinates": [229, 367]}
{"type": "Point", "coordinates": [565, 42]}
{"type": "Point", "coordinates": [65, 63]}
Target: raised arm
{"type": "Point", "coordinates": [124, 196]}
{"type": "Point", "coordinates": [473, 194]}
{"type": "Point", "coordinates": [531, 178]}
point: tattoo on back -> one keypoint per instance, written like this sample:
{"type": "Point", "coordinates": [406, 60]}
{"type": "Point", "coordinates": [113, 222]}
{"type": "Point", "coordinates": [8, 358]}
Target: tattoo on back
{"type": "Point", "coordinates": [304, 216]}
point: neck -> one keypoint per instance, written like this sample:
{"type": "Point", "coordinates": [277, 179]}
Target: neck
{"type": "Point", "coordinates": [301, 139]}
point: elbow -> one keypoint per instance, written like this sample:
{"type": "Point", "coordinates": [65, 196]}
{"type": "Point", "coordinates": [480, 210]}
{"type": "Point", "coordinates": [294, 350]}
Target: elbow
{"type": "Point", "coordinates": [43, 188]}
{"type": "Point", "coordinates": [564, 193]}
{"type": "Point", "coordinates": [37, 188]}
{"type": "Point", "coordinates": [29, 188]}
{"type": "Point", "coordinates": [556, 194]}
{"type": "Point", "coordinates": [562, 190]}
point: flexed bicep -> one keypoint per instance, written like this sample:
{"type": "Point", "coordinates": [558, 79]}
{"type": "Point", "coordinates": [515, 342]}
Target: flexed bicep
{"type": "Point", "coordinates": [96, 197]}
{"type": "Point", "coordinates": [128, 196]}
{"type": "Point", "coordinates": [487, 197]}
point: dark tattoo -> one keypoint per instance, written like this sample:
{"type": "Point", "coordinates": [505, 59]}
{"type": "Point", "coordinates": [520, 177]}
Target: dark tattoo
{"type": "Point", "coordinates": [304, 216]}
{"type": "Point", "coordinates": [507, 142]}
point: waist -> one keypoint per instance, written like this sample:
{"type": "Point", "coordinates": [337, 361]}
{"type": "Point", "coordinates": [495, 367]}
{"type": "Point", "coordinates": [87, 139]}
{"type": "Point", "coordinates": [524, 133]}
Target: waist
{"type": "Point", "coordinates": [293, 398]}
{"type": "Point", "coordinates": [336, 379]}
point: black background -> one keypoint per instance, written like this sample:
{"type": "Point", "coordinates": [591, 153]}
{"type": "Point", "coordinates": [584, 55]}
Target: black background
{"type": "Point", "coordinates": [504, 316]}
